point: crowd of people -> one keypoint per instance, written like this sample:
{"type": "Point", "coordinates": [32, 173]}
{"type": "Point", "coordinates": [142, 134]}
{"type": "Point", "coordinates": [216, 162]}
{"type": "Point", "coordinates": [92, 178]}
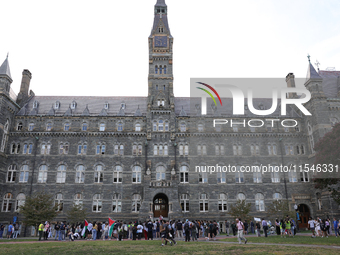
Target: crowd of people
{"type": "Point", "coordinates": [167, 231]}
{"type": "Point", "coordinates": [12, 230]}
{"type": "Point", "coordinates": [323, 227]}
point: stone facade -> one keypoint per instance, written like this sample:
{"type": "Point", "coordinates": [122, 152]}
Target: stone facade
{"type": "Point", "coordinates": [73, 149]}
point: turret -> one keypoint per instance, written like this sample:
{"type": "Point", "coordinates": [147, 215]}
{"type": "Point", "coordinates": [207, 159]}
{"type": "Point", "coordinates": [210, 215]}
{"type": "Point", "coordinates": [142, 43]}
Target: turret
{"type": "Point", "coordinates": [5, 77]}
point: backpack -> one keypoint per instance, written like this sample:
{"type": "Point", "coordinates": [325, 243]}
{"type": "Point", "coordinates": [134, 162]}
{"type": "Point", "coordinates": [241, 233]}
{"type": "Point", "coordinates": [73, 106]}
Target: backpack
{"type": "Point", "coordinates": [125, 228]}
{"type": "Point", "coordinates": [186, 226]}
{"type": "Point", "coordinates": [179, 226]}
{"type": "Point", "coordinates": [214, 228]}
{"type": "Point", "coordinates": [284, 225]}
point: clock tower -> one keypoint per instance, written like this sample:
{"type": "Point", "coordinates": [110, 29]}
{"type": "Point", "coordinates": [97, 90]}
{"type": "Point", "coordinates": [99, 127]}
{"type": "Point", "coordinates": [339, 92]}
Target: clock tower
{"type": "Point", "coordinates": [160, 90]}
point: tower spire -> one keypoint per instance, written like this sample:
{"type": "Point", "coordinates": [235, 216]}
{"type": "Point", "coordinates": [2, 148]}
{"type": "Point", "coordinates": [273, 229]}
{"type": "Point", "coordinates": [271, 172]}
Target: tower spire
{"type": "Point", "coordinates": [161, 3]}
{"type": "Point", "coordinates": [160, 23]}
{"type": "Point", "coordinates": [5, 70]}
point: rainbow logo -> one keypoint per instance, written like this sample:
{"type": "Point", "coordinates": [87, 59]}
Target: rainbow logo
{"type": "Point", "coordinates": [208, 86]}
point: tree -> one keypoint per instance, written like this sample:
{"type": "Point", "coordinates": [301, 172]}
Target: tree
{"type": "Point", "coordinates": [241, 210]}
{"type": "Point", "coordinates": [38, 208]}
{"type": "Point", "coordinates": [327, 155]}
{"type": "Point", "coordinates": [279, 209]}
{"type": "Point", "coordinates": [76, 214]}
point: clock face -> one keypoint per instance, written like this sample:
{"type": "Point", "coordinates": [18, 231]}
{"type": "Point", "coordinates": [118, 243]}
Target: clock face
{"type": "Point", "coordinates": [161, 41]}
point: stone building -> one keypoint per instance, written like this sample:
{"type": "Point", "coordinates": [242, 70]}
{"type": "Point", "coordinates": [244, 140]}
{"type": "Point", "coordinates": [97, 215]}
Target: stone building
{"type": "Point", "coordinates": [131, 157]}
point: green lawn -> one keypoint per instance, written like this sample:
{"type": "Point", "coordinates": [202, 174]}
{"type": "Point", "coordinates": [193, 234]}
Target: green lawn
{"type": "Point", "coordinates": [5, 240]}
{"type": "Point", "coordinates": [290, 240]}
{"type": "Point", "coordinates": [153, 247]}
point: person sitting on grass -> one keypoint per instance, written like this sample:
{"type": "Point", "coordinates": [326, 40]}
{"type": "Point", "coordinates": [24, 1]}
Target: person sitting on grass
{"type": "Point", "coordinates": [70, 235]}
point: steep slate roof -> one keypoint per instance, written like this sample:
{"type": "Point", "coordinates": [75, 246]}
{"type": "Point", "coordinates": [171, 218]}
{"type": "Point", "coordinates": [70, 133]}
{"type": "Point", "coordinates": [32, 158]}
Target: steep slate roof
{"type": "Point", "coordinates": [311, 73]}
{"type": "Point", "coordinates": [87, 106]}
{"type": "Point", "coordinates": [161, 3]}
{"type": "Point", "coordinates": [188, 105]}
{"type": "Point", "coordinates": [4, 69]}
{"type": "Point", "coordinates": [330, 83]}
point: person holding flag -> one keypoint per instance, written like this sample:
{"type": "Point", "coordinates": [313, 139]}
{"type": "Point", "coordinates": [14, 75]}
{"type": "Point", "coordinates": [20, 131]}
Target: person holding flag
{"type": "Point", "coordinates": [83, 232]}
{"type": "Point", "coordinates": [111, 226]}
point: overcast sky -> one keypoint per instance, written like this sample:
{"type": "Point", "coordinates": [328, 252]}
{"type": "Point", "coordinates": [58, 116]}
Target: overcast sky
{"type": "Point", "coordinates": [100, 48]}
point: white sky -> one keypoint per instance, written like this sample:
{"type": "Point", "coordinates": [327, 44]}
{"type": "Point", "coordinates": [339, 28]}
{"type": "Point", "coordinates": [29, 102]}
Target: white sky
{"type": "Point", "coordinates": [100, 48]}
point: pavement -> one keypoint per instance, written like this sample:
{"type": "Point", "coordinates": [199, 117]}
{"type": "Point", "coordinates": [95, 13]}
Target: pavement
{"type": "Point", "coordinates": [201, 239]}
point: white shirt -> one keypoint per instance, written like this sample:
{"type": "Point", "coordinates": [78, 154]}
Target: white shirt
{"type": "Point", "coordinates": [90, 227]}
{"type": "Point", "coordinates": [311, 223]}
{"type": "Point", "coordinates": [139, 229]}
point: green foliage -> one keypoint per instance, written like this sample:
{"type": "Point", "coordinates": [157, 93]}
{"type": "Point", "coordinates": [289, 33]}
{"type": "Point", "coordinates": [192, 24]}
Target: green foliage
{"type": "Point", "coordinates": [241, 210]}
{"type": "Point", "coordinates": [76, 214]}
{"type": "Point", "coordinates": [38, 208]}
{"type": "Point", "coordinates": [279, 209]}
{"type": "Point", "coordinates": [328, 152]}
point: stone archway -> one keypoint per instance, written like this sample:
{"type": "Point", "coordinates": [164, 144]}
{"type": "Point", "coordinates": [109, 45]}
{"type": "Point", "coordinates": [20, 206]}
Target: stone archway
{"type": "Point", "coordinates": [160, 205]}
{"type": "Point", "coordinates": [304, 214]}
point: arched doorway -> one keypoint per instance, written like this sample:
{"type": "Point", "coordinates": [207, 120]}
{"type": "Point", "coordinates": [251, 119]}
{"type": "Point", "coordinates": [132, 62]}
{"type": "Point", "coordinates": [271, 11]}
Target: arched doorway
{"type": "Point", "coordinates": [304, 215]}
{"type": "Point", "coordinates": [160, 205]}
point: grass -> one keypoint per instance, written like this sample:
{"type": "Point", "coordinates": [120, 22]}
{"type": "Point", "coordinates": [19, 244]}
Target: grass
{"type": "Point", "coordinates": [5, 240]}
{"type": "Point", "coordinates": [153, 247]}
{"type": "Point", "coordinates": [290, 240]}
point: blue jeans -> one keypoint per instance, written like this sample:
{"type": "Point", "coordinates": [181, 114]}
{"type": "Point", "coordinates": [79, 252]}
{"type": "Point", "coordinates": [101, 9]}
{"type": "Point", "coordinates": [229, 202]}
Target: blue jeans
{"type": "Point", "coordinates": [57, 234]}
{"type": "Point", "coordinates": [94, 234]}
{"type": "Point", "coordinates": [1, 233]}
{"type": "Point", "coordinates": [336, 231]}
{"type": "Point", "coordinates": [62, 235]}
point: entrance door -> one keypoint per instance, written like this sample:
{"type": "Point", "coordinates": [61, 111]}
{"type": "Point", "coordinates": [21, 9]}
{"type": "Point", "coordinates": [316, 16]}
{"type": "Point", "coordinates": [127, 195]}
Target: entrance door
{"type": "Point", "coordinates": [160, 206]}
{"type": "Point", "coordinates": [304, 215]}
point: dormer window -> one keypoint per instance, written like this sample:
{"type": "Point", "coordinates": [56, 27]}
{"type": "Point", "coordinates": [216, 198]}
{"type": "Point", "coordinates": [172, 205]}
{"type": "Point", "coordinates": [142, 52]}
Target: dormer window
{"type": "Point", "coordinates": [67, 127]}
{"type": "Point", "coordinates": [31, 127]}
{"type": "Point", "coordinates": [106, 106]}
{"type": "Point", "coordinates": [57, 105]}
{"type": "Point", "coordinates": [73, 105]}
{"type": "Point", "coordinates": [19, 128]}
{"type": "Point", "coordinates": [120, 127]}
{"type": "Point", "coordinates": [35, 104]}
{"type": "Point", "coordinates": [160, 30]}
{"type": "Point", "coordinates": [102, 127]}
{"type": "Point", "coordinates": [122, 105]}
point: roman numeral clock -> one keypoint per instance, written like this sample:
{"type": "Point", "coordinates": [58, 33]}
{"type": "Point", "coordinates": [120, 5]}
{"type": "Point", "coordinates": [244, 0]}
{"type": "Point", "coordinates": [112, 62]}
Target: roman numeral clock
{"type": "Point", "coordinates": [161, 41]}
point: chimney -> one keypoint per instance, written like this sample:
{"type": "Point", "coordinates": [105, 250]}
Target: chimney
{"type": "Point", "coordinates": [291, 84]}
{"type": "Point", "coordinates": [24, 88]}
